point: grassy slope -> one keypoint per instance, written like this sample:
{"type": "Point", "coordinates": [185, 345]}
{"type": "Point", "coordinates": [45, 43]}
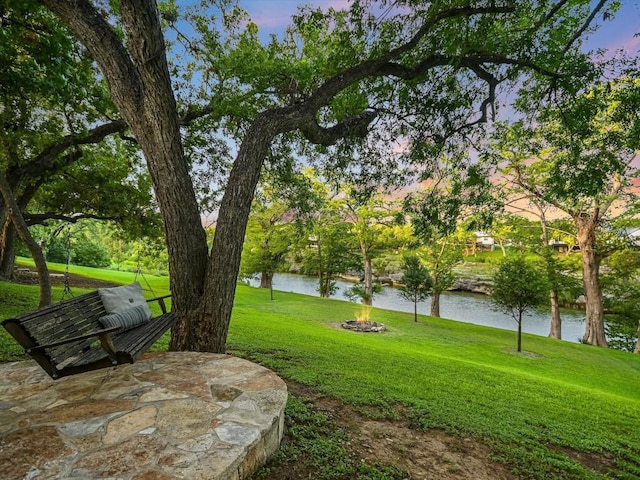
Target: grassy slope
{"type": "Point", "coordinates": [533, 410]}
{"type": "Point", "coordinates": [460, 377]}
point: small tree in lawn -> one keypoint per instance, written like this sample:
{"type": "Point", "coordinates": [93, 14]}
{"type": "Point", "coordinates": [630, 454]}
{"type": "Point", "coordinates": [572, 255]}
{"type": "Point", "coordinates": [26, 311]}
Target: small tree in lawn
{"type": "Point", "coordinates": [417, 282]}
{"type": "Point", "coordinates": [518, 287]}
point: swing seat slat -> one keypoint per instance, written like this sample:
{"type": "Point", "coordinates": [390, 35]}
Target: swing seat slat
{"type": "Point", "coordinates": [67, 338]}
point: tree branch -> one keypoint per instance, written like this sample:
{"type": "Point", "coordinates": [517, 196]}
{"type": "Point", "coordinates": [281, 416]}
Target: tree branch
{"type": "Point", "coordinates": [42, 218]}
{"type": "Point", "coordinates": [44, 160]}
{"type": "Point", "coordinates": [520, 181]}
{"type": "Point", "coordinates": [355, 126]}
{"type": "Point", "coordinates": [385, 66]}
{"type": "Point", "coordinates": [552, 13]}
{"type": "Point", "coordinates": [616, 187]}
{"type": "Point", "coordinates": [471, 60]}
{"type": "Point", "coordinates": [377, 67]}
{"type": "Point", "coordinates": [585, 25]}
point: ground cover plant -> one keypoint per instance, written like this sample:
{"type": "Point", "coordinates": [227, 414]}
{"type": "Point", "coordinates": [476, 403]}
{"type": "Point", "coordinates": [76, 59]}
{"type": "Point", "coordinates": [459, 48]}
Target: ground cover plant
{"type": "Point", "coordinates": [557, 410]}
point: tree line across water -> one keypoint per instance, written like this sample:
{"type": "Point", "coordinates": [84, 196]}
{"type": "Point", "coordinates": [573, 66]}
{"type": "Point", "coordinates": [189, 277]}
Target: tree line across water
{"type": "Point", "coordinates": [379, 239]}
{"type": "Point", "coordinates": [116, 113]}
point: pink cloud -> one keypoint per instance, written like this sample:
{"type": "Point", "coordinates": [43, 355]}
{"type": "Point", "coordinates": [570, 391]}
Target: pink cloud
{"type": "Point", "coordinates": [401, 146]}
{"type": "Point", "coordinates": [630, 46]}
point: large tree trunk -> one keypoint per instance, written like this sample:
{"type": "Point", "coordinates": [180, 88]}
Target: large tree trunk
{"type": "Point", "coordinates": [7, 247]}
{"type": "Point", "coordinates": [555, 330]}
{"type": "Point", "coordinates": [15, 215]}
{"type": "Point", "coordinates": [220, 287]}
{"type": "Point", "coordinates": [9, 236]}
{"type": "Point", "coordinates": [368, 276]}
{"type": "Point", "coordinates": [637, 349]}
{"type": "Point", "coordinates": [594, 331]}
{"type": "Point", "coordinates": [266, 280]}
{"type": "Point", "coordinates": [556, 322]}
{"type": "Point", "coordinates": [150, 110]}
{"type": "Point", "coordinates": [140, 86]}
{"type": "Point", "coordinates": [435, 303]}
{"type": "Point", "coordinates": [519, 331]}
{"type": "Point", "coordinates": [323, 280]}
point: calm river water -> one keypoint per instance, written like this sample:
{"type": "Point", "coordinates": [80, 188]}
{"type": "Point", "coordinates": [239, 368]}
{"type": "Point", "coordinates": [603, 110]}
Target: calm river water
{"type": "Point", "coordinates": [464, 307]}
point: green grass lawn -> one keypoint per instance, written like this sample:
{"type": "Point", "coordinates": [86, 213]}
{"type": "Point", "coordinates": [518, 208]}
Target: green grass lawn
{"type": "Point", "coordinates": [537, 411]}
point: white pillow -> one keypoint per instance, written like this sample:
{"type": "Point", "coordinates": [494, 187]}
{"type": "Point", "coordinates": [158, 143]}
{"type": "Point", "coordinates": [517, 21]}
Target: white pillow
{"type": "Point", "coordinates": [119, 299]}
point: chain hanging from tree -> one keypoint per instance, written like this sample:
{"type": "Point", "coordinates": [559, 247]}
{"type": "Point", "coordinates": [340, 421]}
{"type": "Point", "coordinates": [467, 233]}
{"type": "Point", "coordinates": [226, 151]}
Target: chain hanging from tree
{"type": "Point", "coordinates": [139, 271]}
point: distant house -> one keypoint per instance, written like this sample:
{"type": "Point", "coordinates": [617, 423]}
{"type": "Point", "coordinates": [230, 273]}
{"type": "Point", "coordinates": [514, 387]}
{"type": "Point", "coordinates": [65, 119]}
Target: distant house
{"type": "Point", "coordinates": [484, 241]}
{"type": "Point", "coordinates": [313, 242]}
{"type": "Point", "coordinates": [633, 235]}
{"type": "Point", "coordinates": [559, 246]}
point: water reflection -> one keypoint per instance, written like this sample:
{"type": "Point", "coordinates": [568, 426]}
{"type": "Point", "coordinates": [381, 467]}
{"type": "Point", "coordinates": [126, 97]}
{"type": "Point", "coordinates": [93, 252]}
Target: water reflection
{"type": "Point", "coordinates": [464, 307]}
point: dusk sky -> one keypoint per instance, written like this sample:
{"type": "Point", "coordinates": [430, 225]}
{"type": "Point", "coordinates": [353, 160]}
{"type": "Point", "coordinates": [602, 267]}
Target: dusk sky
{"type": "Point", "coordinates": [273, 15]}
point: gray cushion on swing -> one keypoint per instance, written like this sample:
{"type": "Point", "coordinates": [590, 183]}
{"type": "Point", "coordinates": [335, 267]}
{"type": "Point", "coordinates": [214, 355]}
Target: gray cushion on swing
{"type": "Point", "coordinates": [127, 319]}
{"type": "Point", "coordinates": [119, 299]}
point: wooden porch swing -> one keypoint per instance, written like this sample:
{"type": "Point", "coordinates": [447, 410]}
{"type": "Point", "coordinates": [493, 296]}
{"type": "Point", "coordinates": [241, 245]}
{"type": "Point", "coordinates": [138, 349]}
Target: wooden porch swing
{"type": "Point", "coordinates": [108, 327]}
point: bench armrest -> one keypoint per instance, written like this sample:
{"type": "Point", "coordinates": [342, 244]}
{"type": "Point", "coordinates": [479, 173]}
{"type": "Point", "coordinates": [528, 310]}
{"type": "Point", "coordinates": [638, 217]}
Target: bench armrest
{"type": "Point", "coordinates": [96, 333]}
{"type": "Point", "coordinates": [160, 301]}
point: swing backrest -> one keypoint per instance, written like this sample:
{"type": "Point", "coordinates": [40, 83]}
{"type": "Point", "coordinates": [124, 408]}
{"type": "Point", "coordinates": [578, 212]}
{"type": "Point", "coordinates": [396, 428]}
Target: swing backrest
{"type": "Point", "coordinates": [54, 324]}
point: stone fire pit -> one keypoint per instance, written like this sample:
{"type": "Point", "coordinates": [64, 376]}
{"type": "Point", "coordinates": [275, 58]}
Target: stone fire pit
{"type": "Point", "coordinates": [364, 326]}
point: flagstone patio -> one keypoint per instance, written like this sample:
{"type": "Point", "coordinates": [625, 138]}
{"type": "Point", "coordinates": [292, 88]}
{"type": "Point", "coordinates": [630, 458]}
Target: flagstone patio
{"type": "Point", "coordinates": [177, 415]}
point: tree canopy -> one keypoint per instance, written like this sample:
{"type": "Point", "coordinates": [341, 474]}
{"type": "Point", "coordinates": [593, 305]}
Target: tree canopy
{"type": "Point", "coordinates": [56, 114]}
{"type": "Point", "coordinates": [416, 282]}
{"type": "Point", "coordinates": [579, 159]}
{"type": "Point", "coordinates": [519, 286]}
{"type": "Point", "coordinates": [416, 74]}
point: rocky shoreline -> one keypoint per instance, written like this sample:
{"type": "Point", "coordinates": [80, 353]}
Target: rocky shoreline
{"type": "Point", "coordinates": [470, 284]}
{"type": "Point", "coordinates": [473, 285]}
{"type": "Point", "coordinates": [479, 284]}
{"type": "Point", "coordinates": [476, 284]}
